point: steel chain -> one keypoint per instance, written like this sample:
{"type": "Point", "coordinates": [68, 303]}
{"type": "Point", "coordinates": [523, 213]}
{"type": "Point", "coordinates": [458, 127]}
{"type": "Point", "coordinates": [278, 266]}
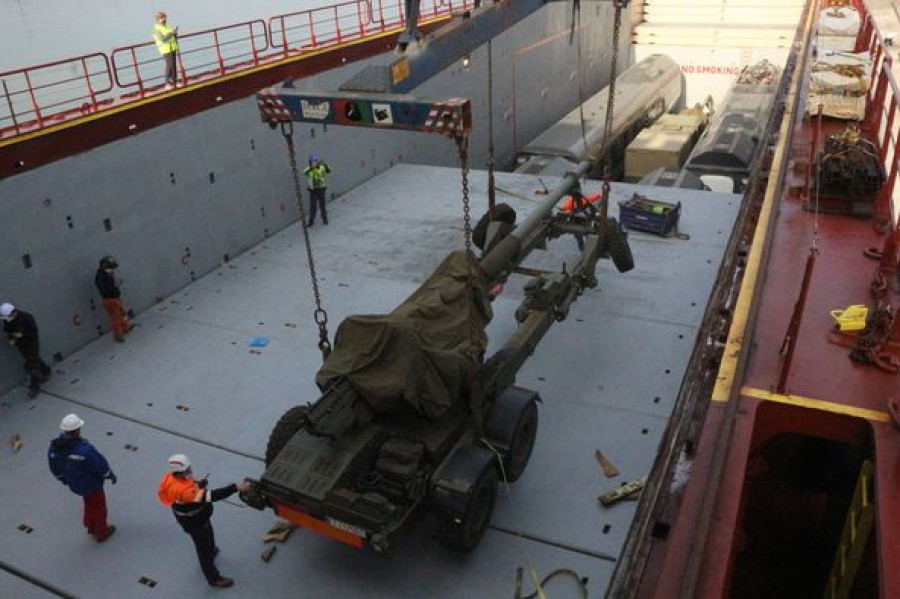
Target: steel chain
{"type": "Point", "coordinates": [462, 144]}
{"type": "Point", "coordinates": [476, 399]}
{"type": "Point", "coordinates": [320, 316]}
{"type": "Point", "coordinates": [610, 109]}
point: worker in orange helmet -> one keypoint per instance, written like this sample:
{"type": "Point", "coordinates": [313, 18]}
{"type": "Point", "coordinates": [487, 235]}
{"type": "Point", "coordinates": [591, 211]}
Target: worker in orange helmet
{"type": "Point", "coordinates": [585, 204]}
{"type": "Point", "coordinates": [191, 502]}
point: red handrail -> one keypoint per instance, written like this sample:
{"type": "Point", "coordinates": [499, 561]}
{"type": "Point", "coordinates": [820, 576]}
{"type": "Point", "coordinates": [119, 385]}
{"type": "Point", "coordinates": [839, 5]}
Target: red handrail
{"type": "Point", "coordinates": [201, 53]}
{"type": "Point", "coordinates": [33, 97]}
{"type": "Point", "coordinates": [37, 94]}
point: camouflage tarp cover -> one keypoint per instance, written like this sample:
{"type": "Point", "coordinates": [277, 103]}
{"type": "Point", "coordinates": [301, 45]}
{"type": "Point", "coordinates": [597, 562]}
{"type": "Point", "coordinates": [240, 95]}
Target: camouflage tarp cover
{"type": "Point", "coordinates": [419, 354]}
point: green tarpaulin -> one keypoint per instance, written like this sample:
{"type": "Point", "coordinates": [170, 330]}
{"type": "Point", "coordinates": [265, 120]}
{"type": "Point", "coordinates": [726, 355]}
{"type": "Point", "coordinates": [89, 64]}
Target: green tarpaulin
{"type": "Point", "coordinates": [420, 355]}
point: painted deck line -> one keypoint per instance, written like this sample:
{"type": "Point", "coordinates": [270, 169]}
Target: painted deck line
{"type": "Point", "coordinates": [816, 404]}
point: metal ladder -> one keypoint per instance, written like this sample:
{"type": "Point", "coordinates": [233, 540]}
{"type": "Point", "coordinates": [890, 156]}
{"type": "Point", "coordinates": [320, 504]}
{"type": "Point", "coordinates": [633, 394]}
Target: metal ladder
{"type": "Point", "coordinates": [854, 536]}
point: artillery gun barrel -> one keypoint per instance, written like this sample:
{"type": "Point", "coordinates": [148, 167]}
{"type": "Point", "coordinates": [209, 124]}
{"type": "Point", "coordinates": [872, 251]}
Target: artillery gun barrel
{"type": "Point", "coordinates": [510, 252]}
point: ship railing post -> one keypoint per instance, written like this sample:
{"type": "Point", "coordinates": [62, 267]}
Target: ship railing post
{"type": "Point", "coordinates": [34, 103]}
{"type": "Point", "coordinates": [312, 30]}
{"type": "Point", "coordinates": [337, 25]}
{"type": "Point", "coordinates": [137, 72]}
{"type": "Point", "coordinates": [253, 51]}
{"type": "Point", "coordinates": [12, 110]}
{"type": "Point", "coordinates": [87, 79]}
{"type": "Point", "coordinates": [218, 51]}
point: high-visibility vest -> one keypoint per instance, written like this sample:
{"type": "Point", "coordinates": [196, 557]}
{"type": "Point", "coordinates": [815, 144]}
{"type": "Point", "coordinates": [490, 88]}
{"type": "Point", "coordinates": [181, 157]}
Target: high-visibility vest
{"type": "Point", "coordinates": [164, 36]}
{"type": "Point", "coordinates": [568, 204]}
{"type": "Point", "coordinates": [315, 176]}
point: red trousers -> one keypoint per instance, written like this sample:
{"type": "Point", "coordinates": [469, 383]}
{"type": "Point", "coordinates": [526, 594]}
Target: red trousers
{"type": "Point", "coordinates": [95, 513]}
{"type": "Point", "coordinates": [118, 320]}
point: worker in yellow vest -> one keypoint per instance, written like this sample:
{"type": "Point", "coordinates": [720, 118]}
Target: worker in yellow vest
{"type": "Point", "coordinates": [166, 39]}
{"type": "Point", "coordinates": [316, 185]}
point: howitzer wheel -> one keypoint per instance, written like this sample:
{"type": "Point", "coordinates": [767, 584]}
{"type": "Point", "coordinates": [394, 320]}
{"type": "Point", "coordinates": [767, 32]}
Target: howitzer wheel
{"type": "Point", "coordinates": [463, 532]}
{"type": "Point", "coordinates": [617, 246]}
{"type": "Point", "coordinates": [286, 427]}
{"type": "Point", "coordinates": [502, 212]}
{"type": "Point", "coordinates": [513, 422]}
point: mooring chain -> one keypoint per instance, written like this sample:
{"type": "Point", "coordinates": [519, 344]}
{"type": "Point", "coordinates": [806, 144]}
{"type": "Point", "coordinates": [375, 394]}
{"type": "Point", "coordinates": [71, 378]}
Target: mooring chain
{"type": "Point", "coordinates": [319, 316]}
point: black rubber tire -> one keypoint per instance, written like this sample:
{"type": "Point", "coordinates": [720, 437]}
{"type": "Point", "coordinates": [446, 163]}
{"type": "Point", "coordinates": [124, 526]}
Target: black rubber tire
{"type": "Point", "coordinates": [465, 534]}
{"type": "Point", "coordinates": [617, 246]}
{"type": "Point", "coordinates": [521, 444]}
{"type": "Point", "coordinates": [502, 212]}
{"type": "Point", "coordinates": [286, 427]}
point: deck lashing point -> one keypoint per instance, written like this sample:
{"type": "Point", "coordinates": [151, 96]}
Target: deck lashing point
{"type": "Point", "coordinates": [147, 581]}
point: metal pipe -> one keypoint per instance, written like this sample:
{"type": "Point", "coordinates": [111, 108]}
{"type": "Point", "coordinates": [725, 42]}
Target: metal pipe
{"type": "Point", "coordinates": [505, 255]}
{"type": "Point", "coordinates": [793, 331]}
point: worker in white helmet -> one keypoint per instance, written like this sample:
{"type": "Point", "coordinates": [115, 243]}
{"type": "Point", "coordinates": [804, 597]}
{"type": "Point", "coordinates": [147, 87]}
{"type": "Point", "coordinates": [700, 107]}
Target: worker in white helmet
{"type": "Point", "coordinates": [191, 502]}
{"type": "Point", "coordinates": [79, 466]}
{"type": "Point", "coordinates": [22, 333]}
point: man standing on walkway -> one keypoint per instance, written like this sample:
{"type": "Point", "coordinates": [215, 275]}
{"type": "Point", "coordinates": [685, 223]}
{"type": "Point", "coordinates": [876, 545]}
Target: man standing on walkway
{"type": "Point", "coordinates": [108, 285]}
{"type": "Point", "coordinates": [22, 332]}
{"type": "Point", "coordinates": [76, 464]}
{"type": "Point", "coordinates": [166, 39]}
{"type": "Point", "coordinates": [191, 503]}
{"type": "Point", "coordinates": [315, 184]}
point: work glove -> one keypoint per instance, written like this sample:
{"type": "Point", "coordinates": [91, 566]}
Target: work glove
{"type": "Point", "coordinates": [113, 478]}
{"type": "Point", "coordinates": [202, 483]}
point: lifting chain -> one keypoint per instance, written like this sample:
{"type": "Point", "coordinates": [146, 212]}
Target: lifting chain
{"type": "Point", "coordinates": [476, 399]}
{"type": "Point", "coordinates": [462, 144]}
{"type": "Point", "coordinates": [610, 107]}
{"type": "Point", "coordinates": [319, 316]}
{"type": "Point", "coordinates": [492, 186]}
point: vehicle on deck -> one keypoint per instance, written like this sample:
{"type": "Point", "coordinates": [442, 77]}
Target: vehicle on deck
{"type": "Point", "coordinates": [412, 413]}
{"type": "Point", "coordinates": [732, 140]}
{"type": "Point", "coordinates": [644, 92]}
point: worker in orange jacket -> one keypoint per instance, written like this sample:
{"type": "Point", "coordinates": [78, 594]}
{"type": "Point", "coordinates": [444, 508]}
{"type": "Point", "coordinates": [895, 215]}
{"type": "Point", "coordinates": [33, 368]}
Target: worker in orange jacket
{"type": "Point", "coordinates": [191, 503]}
{"type": "Point", "coordinates": [108, 284]}
{"type": "Point", "coordinates": [585, 204]}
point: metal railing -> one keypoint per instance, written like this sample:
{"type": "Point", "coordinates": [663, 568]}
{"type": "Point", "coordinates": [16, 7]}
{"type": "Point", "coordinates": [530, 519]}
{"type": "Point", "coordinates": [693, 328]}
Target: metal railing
{"type": "Point", "coordinates": [36, 97]}
{"type": "Point", "coordinates": [882, 100]}
{"type": "Point", "coordinates": [201, 55]}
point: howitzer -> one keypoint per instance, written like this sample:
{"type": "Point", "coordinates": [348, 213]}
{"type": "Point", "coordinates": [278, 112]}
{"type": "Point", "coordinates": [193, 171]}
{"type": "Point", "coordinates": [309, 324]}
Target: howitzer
{"type": "Point", "coordinates": [427, 421]}
{"type": "Point", "coordinates": [412, 414]}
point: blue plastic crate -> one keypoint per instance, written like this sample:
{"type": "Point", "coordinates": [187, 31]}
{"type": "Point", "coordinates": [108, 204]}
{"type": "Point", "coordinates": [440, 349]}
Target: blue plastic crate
{"type": "Point", "coordinates": [643, 214]}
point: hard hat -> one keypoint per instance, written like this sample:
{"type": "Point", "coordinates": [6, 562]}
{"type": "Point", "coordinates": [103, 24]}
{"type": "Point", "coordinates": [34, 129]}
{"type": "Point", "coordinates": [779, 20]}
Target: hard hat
{"type": "Point", "coordinates": [6, 311]}
{"type": "Point", "coordinates": [179, 463]}
{"type": "Point", "coordinates": [313, 158]}
{"type": "Point", "coordinates": [108, 262]}
{"type": "Point", "coordinates": [71, 423]}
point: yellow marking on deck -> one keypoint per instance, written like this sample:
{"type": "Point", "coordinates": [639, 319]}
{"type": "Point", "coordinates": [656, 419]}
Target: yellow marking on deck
{"type": "Point", "coordinates": [739, 330]}
{"type": "Point", "coordinates": [156, 95]}
{"type": "Point", "coordinates": [817, 404]}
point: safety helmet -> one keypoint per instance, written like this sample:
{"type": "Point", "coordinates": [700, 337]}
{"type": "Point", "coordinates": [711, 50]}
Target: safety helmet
{"type": "Point", "coordinates": [71, 423]}
{"type": "Point", "coordinates": [179, 463]}
{"type": "Point", "coordinates": [313, 158]}
{"type": "Point", "coordinates": [6, 311]}
{"type": "Point", "coordinates": [108, 262]}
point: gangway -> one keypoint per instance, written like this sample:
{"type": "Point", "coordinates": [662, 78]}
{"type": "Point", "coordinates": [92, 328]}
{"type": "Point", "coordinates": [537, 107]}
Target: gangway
{"type": "Point", "coordinates": [57, 109]}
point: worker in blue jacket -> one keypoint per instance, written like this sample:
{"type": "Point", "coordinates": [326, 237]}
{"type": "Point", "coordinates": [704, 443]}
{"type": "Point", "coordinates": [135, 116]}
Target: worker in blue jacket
{"type": "Point", "coordinates": [79, 466]}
